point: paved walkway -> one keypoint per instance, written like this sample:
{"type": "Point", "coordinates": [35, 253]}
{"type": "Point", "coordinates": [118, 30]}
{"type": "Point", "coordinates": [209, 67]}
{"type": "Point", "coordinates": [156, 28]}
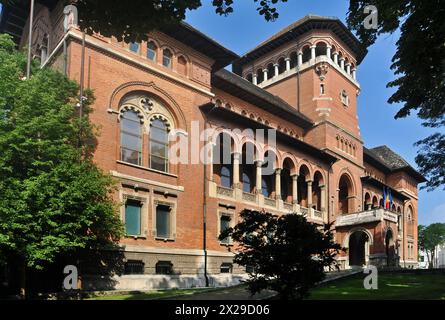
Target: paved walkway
{"type": "Point", "coordinates": [232, 293]}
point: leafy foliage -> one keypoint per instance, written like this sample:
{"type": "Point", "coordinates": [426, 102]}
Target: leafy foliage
{"type": "Point", "coordinates": [53, 198]}
{"type": "Point", "coordinates": [287, 254]}
{"type": "Point", "coordinates": [419, 65]}
{"type": "Point", "coordinates": [430, 237]}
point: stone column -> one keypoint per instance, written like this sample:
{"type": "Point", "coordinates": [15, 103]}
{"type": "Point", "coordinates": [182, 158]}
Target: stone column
{"type": "Point", "coordinates": [236, 165]}
{"type": "Point", "coordinates": [300, 58]}
{"type": "Point", "coordinates": [323, 198]}
{"type": "Point", "coordinates": [309, 194]}
{"type": "Point", "coordinates": [354, 73]}
{"type": "Point", "coordinates": [342, 63]}
{"type": "Point", "coordinates": [287, 64]}
{"type": "Point", "coordinates": [277, 70]}
{"type": "Point", "coordinates": [329, 52]}
{"type": "Point", "coordinates": [336, 57]}
{"type": "Point", "coordinates": [313, 52]}
{"type": "Point", "coordinates": [278, 184]}
{"type": "Point", "coordinates": [295, 188]}
{"type": "Point", "coordinates": [255, 79]}
{"type": "Point", "coordinates": [266, 74]}
{"type": "Point", "coordinates": [259, 175]}
{"type": "Point", "coordinates": [348, 68]}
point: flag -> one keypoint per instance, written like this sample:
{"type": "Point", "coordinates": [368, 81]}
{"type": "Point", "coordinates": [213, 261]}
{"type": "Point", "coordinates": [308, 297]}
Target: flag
{"type": "Point", "coordinates": [384, 198]}
{"type": "Point", "coordinates": [387, 200]}
{"type": "Point", "coordinates": [390, 199]}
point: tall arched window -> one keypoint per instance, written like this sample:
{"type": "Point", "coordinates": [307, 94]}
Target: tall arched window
{"type": "Point", "coordinates": [131, 138]}
{"type": "Point", "coordinates": [226, 176]}
{"type": "Point", "coordinates": [167, 58]}
{"type": "Point", "coordinates": [247, 183]}
{"type": "Point", "coordinates": [159, 145]}
{"type": "Point", "coordinates": [152, 51]}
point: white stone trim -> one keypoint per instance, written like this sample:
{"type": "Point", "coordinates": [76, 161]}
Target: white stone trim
{"type": "Point", "coordinates": [150, 182]}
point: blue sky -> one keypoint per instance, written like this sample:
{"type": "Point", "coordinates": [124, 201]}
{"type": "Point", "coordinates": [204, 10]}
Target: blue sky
{"type": "Point", "coordinates": [244, 29]}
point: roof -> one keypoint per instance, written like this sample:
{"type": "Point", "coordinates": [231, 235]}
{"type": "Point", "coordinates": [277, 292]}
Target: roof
{"type": "Point", "coordinates": [202, 43]}
{"type": "Point", "coordinates": [389, 161]}
{"type": "Point", "coordinates": [245, 90]}
{"type": "Point", "coordinates": [14, 17]}
{"type": "Point", "coordinates": [297, 29]}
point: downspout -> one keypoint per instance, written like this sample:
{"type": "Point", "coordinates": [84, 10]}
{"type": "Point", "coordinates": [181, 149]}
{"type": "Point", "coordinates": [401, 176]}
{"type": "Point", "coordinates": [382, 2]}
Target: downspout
{"type": "Point", "coordinates": [204, 217]}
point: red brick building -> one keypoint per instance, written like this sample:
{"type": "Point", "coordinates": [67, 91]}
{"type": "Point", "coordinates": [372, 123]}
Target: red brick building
{"type": "Point", "coordinates": [301, 83]}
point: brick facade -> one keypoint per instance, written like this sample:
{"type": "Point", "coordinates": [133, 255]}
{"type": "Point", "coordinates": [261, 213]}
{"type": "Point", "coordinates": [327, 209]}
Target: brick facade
{"type": "Point", "coordinates": [319, 146]}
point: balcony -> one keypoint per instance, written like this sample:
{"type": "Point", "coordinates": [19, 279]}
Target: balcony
{"type": "Point", "coordinates": [378, 215]}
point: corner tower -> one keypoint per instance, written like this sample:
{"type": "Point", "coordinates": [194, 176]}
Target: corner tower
{"type": "Point", "coordinates": [312, 65]}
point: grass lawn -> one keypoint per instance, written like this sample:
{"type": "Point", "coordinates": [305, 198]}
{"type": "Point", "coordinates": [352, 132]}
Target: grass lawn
{"type": "Point", "coordinates": [390, 286]}
{"type": "Point", "coordinates": [147, 295]}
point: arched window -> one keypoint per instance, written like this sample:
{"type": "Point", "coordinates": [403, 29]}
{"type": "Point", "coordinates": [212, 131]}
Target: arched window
{"type": "Point", "coordinates": [182, 65]}
{"type": "Point", "coordinates": [159, 145]}
{"type": "Point", "coordinates": [270, 71]}
{"type": "Point", "coordinates": [131, 138]}
{"type": "Point", "coordinates": [152, 51]}
{"type": "Point", "coordinates": [226, 176]}
{"type": "Point", "coordinates": [134, 47]}
{"type": "Point", "coordinates": [167, 58]}
{"type": "Point", "coordinates": [247, 183]}
{"type": "Point", "coordinates": [249, 78]}
{"type": "Point", "coordinates": [266, 189]}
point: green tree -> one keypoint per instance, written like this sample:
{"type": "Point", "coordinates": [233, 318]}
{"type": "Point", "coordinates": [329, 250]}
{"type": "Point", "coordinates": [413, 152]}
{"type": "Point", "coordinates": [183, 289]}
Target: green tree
{"type": "Point", "coordinates": [419, 64]}
{"type": "Point", "coordinates": [429, 238]}
{"type": "Point", "coordinates": [142, 16]}
{"type": "Point", "coordinates": [53, 198]}
{"type": "Point", "coordinates": [286, 254]}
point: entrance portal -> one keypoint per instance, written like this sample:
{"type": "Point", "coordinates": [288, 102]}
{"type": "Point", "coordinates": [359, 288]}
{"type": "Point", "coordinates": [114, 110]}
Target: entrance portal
{"type": "Point", "coordinates": [357, 248]}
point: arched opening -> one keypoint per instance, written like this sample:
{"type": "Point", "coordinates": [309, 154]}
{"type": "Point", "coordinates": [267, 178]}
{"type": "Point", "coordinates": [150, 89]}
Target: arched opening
{"type": "Point", "coordinates": [345, 67]}
{"type": "Point", "coordinates": [182, 66]}
{"type": "Point", "coordinates": [367, 205]}
{"type": "Point", "coordinates": [223, 160]}
{"type": "Point", "coordinates": [260, 76]}
{"type": "Point", "coordinates": [390, 249]}
{"type": "Point", "coordinates": [281, 66]}
{"type": "Point", "coordinates": [375, 202]}
{"type": "Point", "coordinates": [340, 57]}
{"type": "Point", "coordinates": [306, 54]}
{"type": "Point", "coordinates": [333, 53]}
{"type": "Point", "coordinates": [270, 71]}
{"type": "Point", "coordinates": [345, 194]}
{"type": "Point", "coordinates": [321, 49]}
{"type": "Point", "coordinates": [249, 78]}
{"type": "Point", "coordinates": [303, 177]}
{"type": "Point", "coordinates": [316, 191]}
{"type": "Point", "coordinates": [286, 181]}
{"type": "Point", "coordinates": [267, 174]}
{"type": "Point", "coordinates": [358, 242]}
{"type": "Point", "coordinates": [248, 167]}
{"type": "Point", "coordinates": [293, 60]}
{"type": "Point", "coordinates": [393, 208]}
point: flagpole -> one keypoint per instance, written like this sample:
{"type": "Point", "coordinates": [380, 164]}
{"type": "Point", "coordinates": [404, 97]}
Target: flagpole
{"type": "Point", "coordinates": [31, 22]}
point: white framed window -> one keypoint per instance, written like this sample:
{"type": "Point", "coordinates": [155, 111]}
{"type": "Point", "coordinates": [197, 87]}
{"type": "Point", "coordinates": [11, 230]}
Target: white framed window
{"type": "Point", "coordinates": [164, 220]}
{"type": "Point", "coordinates": [152, 50]}
{"type": "Point", "coordinates": [135, 47]}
